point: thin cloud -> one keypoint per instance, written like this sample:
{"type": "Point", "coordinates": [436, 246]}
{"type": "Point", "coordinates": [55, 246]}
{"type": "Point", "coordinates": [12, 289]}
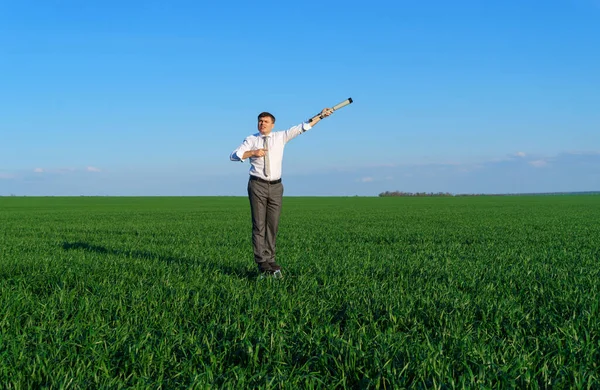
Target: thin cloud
{"type": "Point", "coordinates": [449, 163]}
{"type": "Point", "coordinates": [366, 179]}
{"type": "Point", "coordinates": [363, 173]}
{"type": "Point", "coordinates": [468, 168]}
{"type": "Point", "coordinates": [583, 153]}
{"type": "Point", "coordinates": [6, 176]}
{"type": "Point", "coordinates": [538, 163]}
{"type": "Point", "coordinates": [60, 171]}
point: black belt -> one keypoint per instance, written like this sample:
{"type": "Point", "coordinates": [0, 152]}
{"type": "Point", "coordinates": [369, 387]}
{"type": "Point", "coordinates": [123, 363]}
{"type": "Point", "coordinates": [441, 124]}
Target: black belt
{"type": "Point", "coordinates": [256, 178]}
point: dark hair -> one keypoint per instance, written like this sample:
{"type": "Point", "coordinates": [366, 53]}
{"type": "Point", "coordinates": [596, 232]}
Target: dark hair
{"type": "Point", "coordinates": [265, 114]}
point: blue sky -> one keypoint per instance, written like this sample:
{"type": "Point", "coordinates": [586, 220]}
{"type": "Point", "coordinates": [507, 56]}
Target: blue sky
{"type": "Point", "coordinates": [150, 98]}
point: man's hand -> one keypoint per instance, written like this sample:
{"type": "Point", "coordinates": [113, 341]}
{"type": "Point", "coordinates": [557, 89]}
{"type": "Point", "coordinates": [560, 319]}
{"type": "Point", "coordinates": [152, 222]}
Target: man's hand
{"type": "Point", "coordinates": [259, 152]}
{"type": "Point", "coordinates": [254, 153]}
{"type": "Point", "coordinates": [326, 112]}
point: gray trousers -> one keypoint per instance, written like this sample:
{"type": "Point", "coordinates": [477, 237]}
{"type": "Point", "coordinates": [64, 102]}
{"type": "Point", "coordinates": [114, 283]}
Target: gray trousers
{"type": "Point", "coordinates": [265, 204]}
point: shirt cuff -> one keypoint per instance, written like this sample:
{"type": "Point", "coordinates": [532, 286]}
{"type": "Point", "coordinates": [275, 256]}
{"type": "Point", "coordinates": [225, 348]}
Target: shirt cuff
{"type": "Point", "coordinates": [306, 126]}
{"type": "Point", "coordinates": [235, 157]}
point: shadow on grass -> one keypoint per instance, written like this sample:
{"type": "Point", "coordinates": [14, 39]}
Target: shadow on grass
{"type": "Point", "coordinates": [210, 266]}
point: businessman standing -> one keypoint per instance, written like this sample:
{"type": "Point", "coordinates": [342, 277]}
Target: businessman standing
{"type": "Point", "coordinates": [265, 190]}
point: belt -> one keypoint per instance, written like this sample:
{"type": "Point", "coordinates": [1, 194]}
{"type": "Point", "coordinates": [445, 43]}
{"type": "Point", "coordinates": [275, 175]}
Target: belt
{"type": "Point", "coordinates": [256, 178]}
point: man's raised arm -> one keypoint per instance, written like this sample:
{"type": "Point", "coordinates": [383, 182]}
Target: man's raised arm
{"type": "Point", "coordinates": [324, 113]}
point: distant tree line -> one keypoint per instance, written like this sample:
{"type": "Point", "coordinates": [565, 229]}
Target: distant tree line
{"type": "Point", "coordinates": [424, 194]}
{"type": "Point", "coordinates": [421, 194]}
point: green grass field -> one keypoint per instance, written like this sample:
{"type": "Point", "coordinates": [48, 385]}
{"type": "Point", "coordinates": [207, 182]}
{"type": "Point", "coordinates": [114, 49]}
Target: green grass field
{"type": "Point", "coordinates": [378, 293]}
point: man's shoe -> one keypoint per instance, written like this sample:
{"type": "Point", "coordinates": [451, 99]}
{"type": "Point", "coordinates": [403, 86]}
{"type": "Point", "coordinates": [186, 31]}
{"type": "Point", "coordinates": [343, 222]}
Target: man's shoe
{"type": "Point", "coordinates": [269, 269]}
{"type": "Point", "coordinates": [265, 268]}
{"type": "Point", "coordinates": [274, 266]}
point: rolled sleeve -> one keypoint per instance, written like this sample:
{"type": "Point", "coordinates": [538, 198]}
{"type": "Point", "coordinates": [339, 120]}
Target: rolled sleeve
{"type": "Point", "coordinates": [238, 154]}
{"type": "Point", "coordinates": [235, 157]}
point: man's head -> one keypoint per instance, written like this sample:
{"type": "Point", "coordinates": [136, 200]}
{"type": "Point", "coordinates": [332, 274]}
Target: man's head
{"type": "Point", "coordinates": [266, 122]}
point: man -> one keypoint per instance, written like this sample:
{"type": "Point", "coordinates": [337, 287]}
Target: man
{"type": "Point", "coordinates": [265, 190]}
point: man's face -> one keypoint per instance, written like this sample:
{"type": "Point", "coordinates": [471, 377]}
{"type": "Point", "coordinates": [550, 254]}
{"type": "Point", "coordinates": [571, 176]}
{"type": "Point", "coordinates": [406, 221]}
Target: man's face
{"type": "Point", "coordinates": [265, 125]}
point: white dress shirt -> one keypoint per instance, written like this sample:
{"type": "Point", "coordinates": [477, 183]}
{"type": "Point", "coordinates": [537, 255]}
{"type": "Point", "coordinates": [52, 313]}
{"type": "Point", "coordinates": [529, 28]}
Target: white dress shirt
{"type": "Point", "coordinates": [276, 143]}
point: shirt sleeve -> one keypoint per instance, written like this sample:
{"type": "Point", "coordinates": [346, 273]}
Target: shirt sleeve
{"type": "Point", "coordinates": [295, 131]}
{"type": "Point", "coordinates": [238, 154]}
